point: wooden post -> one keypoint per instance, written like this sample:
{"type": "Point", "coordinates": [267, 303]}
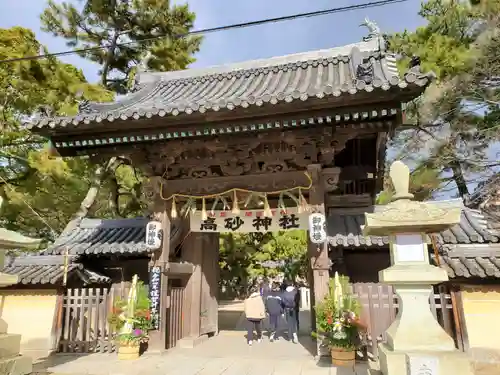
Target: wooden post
{"type": "Point", "coordinates": [158, 339]}
{"type": "Point", "coordinates": [192, 251]}
{"type": "Point", "coordinates": [318, 253]}
{"type": "Point", "coordinates": [210, 285]}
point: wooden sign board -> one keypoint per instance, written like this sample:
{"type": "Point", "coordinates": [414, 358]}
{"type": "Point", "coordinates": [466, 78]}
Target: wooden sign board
{"type": "Point", "coordinates": [249, 221]}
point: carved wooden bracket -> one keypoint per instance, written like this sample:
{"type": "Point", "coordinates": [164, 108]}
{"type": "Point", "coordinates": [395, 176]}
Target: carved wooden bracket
{"type": "Point", "coordinates": [331, 178]}
{"type": "Point", "coordinates": [322, 264]}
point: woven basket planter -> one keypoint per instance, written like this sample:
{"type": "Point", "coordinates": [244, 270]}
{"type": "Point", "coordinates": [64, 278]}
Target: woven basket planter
{"type": "Point", "coordinates": [343, 357]}
{"type": "Point", "coordinates": [128, 352]}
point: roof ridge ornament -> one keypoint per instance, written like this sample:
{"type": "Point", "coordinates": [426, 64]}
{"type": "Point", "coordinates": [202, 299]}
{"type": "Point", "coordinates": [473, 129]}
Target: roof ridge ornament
{"type": "Point", "coordinates": [374, 33]}
{"type": "Point", "coordinates": [373, 29]}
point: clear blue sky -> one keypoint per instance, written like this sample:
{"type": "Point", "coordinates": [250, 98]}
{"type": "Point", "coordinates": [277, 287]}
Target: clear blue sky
{"type": "Point", "coordinates": [249, 43]}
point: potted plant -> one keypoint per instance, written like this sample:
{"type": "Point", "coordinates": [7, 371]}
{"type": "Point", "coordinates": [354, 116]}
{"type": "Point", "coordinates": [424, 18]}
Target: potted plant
{"type": "Point", "coordinates": [131, 319]}
{"type": "Point", "coordinates": [338, 322]}
{"type": "Point", "coordinates": [129, 344]}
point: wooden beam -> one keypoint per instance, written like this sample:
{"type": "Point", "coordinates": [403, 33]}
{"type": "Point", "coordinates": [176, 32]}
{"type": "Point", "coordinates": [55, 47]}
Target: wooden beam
{"type": "Point", "coordinates": [258, 183]}
{"type": "Point", "coordinates": [184, 268]}
{"type": "Point", "coordinates": [349, 200]}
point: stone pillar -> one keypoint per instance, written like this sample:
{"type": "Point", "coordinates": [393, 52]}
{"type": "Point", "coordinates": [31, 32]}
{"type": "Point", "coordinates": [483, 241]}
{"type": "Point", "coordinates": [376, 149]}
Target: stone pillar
{"type": "Point", "coordinates": [416, 343]}
{"type": "Point", "coordinates": [318, 253]}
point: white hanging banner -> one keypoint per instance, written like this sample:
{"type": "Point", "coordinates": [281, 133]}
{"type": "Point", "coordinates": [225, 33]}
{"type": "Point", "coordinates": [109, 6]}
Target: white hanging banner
{"type": "Point", "coordinates": [154, 235]}
{"type": "Point", "coordinates": [317, 228]}
{"type": "Point", "coordinates": [249, 221]}
{"type": "Point", "coordinates": [154, 295]}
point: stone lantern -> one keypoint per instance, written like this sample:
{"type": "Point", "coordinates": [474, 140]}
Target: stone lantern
{"type": "Point", "coordinates": [416, 343]}
{"type": "Point", "coordinates": [11, 362]}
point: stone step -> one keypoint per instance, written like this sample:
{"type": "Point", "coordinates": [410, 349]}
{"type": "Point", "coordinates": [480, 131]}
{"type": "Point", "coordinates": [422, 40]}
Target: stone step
{"type": "Point", "coordinates": [10, 345]}
{"type": "Point", "coordinates": [17, 365]}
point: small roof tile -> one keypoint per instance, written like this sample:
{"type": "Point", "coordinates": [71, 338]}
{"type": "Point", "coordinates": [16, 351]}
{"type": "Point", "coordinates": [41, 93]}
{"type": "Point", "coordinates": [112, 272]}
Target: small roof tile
{"type": "Point", "coordinates": [345, 230]}
{"type": "Point", "coordinates": [36, 269]}
{"type": "Point", "coordinates": [97, 236]}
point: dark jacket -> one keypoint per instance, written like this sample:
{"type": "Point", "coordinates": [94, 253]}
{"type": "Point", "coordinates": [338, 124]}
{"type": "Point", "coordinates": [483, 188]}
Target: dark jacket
{"type": "Point", "coordinates": [265, 290]}
{"type": "Point", "coordinates": [297, 299]}
{"type": "Point", "coordinates": [289, 299]}
{"type": "Point", "coordinates": [273, 303]}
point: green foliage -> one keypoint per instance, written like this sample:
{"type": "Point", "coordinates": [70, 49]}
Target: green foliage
{"type": "Point", "coordinates": [107, 23]}
{"type": "Point", "coordinates": [29, 177]}
{"type": "Point", "coordinates": [423, 183]}
{"type": "Point", "coordinates": [241, 255]}
{"type": "Point", "coordinates": [141, 320]}
{"type": "Point", "coordinates": [337, 316]}
{"type": "Point", "coordinates": [134, 338]}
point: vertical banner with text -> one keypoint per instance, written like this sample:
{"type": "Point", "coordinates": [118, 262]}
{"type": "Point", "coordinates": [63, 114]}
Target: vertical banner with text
{"type": "Point", "coordinates": [154, 295]}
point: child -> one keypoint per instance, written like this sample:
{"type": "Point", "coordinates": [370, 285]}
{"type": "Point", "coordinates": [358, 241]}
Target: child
{"type": "Point", "coordinates": [274, 309]}
{"type": "Point", "coordinates": [255, 312]}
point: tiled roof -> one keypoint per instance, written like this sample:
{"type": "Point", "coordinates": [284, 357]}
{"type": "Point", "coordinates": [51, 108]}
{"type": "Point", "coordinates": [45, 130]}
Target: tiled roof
{"type": "Point", "coordinates": [345, 230]}
{"type": "Point", "coordinates": [475, 263]}
{"type": "Point", "coordinates": [36, 269]}
{"type": "Point", "coordinates": [347, 70]}
{"type": "Point", "coordinates": [96, 236]}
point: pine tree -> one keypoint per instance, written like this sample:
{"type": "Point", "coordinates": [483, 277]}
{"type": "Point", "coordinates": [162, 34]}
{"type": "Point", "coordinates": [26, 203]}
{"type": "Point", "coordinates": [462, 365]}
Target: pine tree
{"type": "Point", "coordinates": [452, 125]}
{"type": "Point", "coordinates": [138, 23]}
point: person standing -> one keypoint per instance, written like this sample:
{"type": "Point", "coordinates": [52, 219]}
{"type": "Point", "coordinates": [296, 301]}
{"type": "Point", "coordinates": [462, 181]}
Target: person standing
{"type": "Point", "coordinates": [275, 309]}
{"type": "Point", "coordinates": [264, 288]}
{"type": "Point", "coordinates": [297, 305]}
{"type": "Point", "coordinates": [255, 312]}
{"type": "Point", "coordinates": [289, 302]}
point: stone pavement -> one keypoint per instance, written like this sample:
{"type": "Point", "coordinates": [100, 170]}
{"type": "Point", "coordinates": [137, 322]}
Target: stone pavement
{"type": "Point", "coordinates": [226, 354]}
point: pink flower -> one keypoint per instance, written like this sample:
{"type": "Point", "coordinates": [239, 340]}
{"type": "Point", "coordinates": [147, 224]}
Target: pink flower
{"type": "Point", "coordinates": [137, 332]}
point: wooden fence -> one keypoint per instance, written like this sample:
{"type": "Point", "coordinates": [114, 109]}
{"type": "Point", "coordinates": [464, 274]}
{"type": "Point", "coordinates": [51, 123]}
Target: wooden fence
{"type": "Point", "coordinates": [84, 327]}
{"type": "Point", "coordinates": [380, 307]}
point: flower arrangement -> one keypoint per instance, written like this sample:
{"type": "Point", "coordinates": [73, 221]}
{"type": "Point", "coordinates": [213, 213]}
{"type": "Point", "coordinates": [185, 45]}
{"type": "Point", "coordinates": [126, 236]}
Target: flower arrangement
{"type": "Point", "coordinates": [134, 338]}
{"type": "Point", "coordinates": [337, 316]}
{"type": "Point", "coordinates": [132, 319]}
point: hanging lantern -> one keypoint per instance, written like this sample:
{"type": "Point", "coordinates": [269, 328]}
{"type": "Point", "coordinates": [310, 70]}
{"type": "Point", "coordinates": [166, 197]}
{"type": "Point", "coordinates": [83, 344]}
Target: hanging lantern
{"type": "Point", "coordinates": [236, 207]}
{"type": "Point", "coordinates": [154, 235]}
{"type": "Point", "coordinates": [317, 228]}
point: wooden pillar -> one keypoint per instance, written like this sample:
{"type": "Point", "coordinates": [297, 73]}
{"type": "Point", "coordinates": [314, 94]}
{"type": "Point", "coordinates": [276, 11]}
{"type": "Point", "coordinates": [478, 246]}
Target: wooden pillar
{"type": "Point", "coordinates": [210, 285]}
{"type": "Point", "coordinates": [192, 251]}
{"type": "Point", "coordinates": [160, 209]}
{"type": "Point", "coordinates": [318, 253]}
